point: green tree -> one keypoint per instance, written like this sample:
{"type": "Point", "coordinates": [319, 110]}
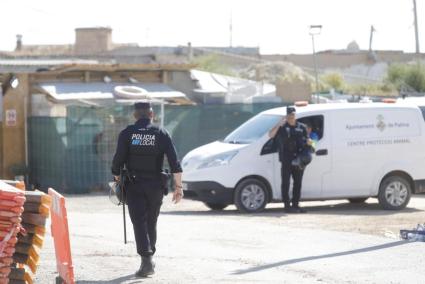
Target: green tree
{"type": "Point", "coordinates": [379, 89]}
{"type": "Point", "coordinates": [411, 77]}
{"type": "Point", "coordinates": [333, 80]}
{"type": "Point", "coordinates": [415, 78]}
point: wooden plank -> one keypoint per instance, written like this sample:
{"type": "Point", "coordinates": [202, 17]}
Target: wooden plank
{"type": "Point", "coordinates": [33, 196]}
{"type": "Point", "coordinates": [17, 274]}
{"type": "Point", "coordinates": [42, 209]}
{"type": "Point", "coordinates": [34, 219]}
{"type": "Point", "coordinates": [16, 281]}
{"type": "Point", "coordinates": [30, 228]}
{"type": "Point", "coordinates": [31, 239]}
{"type": "Point", "coordinates": [149, 76]}
{"type": "Point", "coordinates": [37, 197]}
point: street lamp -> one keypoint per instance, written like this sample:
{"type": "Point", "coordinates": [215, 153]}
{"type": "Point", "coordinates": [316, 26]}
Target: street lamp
{"type": "Point", "coordinates": [315, 30]}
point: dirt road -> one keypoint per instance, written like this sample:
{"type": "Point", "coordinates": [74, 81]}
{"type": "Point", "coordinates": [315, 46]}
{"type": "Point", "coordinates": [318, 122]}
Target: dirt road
{"type": "Point", "coordinates": [335, 242]}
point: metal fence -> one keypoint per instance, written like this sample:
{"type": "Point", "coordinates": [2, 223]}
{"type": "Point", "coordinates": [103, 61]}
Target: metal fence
{"type": "Point", "coordinates": [74, 153]}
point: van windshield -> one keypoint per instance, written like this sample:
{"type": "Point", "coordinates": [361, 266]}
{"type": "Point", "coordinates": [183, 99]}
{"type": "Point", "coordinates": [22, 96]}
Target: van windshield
{"type": "Point", "coordinates": [253, 129]}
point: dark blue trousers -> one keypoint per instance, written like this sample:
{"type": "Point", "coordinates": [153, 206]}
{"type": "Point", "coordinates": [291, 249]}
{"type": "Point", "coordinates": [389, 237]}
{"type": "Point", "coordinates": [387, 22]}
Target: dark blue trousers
{"type": "Point", "coordinates": [144, 199]}
{"type": "Point", "coordinates": [297, 175]}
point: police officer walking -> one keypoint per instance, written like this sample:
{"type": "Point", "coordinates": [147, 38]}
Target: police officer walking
{"type": "Point", "coordinates": [141, 148]}
{"type": "Point", "coordinates": [292, 139]}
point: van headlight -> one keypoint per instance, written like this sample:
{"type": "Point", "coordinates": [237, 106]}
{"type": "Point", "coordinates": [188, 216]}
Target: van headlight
{"type": "Point", "coordinates": [218, 160]}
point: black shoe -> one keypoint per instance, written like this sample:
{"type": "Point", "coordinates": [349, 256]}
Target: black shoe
{"type": "Point", "coordinates": [290, 210]}
{"type": "Point", "coordinates": [287, 208]}
{"type": "Point", "coordinates": [298, 210]}
{"type": "Point", "coordinates": [146, 268]}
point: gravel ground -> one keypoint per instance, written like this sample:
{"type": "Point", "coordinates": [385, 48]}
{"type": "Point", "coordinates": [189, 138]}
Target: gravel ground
{"type": "Point", "coordinates": [335, 242]}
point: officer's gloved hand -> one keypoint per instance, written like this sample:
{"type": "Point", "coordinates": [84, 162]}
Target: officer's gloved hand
{"type": "Point", "coordinates": [177, 194]}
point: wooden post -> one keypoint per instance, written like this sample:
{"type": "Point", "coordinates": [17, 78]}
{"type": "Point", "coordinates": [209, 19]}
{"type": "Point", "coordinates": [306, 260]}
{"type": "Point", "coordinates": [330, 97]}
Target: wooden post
{"type": "Point", "coordinates": [13, 148]}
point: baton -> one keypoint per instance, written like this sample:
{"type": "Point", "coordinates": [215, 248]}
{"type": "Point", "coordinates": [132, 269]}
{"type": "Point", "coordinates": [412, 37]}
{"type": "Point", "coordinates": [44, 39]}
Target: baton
{"type": "Point", "coordinates": [125, 224]}
{"type": "Point", "coordinates": [123, 204]}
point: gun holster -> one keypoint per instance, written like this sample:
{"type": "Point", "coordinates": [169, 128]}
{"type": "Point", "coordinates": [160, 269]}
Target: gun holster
{"type": "Point", "coordinates": [122, 184]}
{"type": "Point", "coordinates": [165, 181]}
{"type": "Point", "coordinates": [164, 177]}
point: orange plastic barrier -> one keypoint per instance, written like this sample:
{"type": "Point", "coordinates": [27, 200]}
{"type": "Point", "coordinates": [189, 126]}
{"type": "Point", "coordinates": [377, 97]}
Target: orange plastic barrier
{"type": "Point", "coordinates": [60, 235]}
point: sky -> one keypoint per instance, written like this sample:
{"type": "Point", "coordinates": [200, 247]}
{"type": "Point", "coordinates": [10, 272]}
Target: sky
{"type": "Point", "coordinates": [276, 26]}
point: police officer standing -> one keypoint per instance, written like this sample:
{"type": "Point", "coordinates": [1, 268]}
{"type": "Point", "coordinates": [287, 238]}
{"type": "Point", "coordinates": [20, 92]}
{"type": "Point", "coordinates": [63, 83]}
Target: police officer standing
{"type": "Point", "coordinates": [141, 148]}
{"type": "Point", "coordinates": [291, 138]}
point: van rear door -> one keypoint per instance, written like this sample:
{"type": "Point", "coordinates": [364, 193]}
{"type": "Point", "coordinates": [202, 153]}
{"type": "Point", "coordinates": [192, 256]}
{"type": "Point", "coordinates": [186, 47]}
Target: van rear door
{"type": "Point", "coordinates": [367, 142]}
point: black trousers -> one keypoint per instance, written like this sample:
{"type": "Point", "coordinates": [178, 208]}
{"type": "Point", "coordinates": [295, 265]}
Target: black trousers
{"type": "Point", "coordinates": [297, 175]}
{"type": "Point", "coordinates": [144, 199]}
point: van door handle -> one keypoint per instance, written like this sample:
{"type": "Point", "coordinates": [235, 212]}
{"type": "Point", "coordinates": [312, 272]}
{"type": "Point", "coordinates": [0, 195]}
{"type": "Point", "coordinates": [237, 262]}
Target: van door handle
{"type": "Point", "coordinates": [322, 152]}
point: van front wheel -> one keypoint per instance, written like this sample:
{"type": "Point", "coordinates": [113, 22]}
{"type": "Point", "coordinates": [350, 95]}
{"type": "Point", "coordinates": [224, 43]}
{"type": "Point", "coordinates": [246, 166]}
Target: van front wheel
{"type": "Point", "coordinates": [251, 196]}
{"type": "Point", "coordinates": [394, 193]}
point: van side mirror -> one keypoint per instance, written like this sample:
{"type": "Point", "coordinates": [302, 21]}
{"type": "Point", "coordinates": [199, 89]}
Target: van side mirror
{"type": "Point", "coordinates": [269, 148]}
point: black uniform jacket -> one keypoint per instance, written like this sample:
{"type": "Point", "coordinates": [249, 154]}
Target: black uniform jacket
{"type": "Point", "coordinates": [141, 147]}
{"type": "Point", "coordinates": [291, 140]}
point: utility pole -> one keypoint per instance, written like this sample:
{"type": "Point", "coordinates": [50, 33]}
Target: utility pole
{"type": "Point", "coordinates": [416, 27]}
{"type": "Point", "coordinates": [372, 30]}
{"type": "Point", "coordinates": [231, 29]}
{"type": "Point", "coordinates": [315, 30]}
{"type": "Point", "coordinates": [316, 76]}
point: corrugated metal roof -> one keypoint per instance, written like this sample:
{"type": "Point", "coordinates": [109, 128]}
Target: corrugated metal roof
{"type": "Point", "coordinates": [68, 92]}
{"type": "Point", "coordinates": [44, 62]}
{"type": "Point", "coordinates": [34, 65]}
{"type": "Point", "coordinates": [216, 83]}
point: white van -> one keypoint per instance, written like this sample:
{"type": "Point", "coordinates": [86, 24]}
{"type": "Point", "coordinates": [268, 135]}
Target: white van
{"type": "Point", "coordinates": [364, 150]}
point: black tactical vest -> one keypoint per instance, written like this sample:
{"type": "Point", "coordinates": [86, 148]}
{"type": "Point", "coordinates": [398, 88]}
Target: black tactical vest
{"type": "Point", "coordinates": [144, 150]}
{"type": "Point", "coordinates": [292, 140]}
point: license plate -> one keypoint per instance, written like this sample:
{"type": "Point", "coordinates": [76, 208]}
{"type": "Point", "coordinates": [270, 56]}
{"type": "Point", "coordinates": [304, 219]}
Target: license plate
{"type": "Point", "coordinates": [184, 185]}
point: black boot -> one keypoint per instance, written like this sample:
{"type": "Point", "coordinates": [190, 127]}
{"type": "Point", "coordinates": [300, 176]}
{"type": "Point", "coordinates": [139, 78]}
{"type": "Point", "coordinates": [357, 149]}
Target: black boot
{"type": "Point", "coordinates": [146, 268]}
{"type": "Point", "coordinates": [288, 208]}
{"type": "Point", "coordinates": [298, 209]}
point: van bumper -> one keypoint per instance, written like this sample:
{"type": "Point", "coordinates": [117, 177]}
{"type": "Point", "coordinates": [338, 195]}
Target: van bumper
{"type": "Point", "coordinates": [208, 192]}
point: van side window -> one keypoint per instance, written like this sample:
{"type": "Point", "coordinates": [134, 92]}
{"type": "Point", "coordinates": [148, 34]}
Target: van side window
{"type": "Point", "coordinates": [423, 111]}
{"type": "Point", "coordinates": [316, 124]}
{"type": "Point", "coordinates": [269, 148]}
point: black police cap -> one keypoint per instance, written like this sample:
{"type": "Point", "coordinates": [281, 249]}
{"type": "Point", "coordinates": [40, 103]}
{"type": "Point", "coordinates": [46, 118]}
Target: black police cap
{"type": "Point", "coordinates": [290, 110]}
{"type": "Point", "coordinates": [142, 105]}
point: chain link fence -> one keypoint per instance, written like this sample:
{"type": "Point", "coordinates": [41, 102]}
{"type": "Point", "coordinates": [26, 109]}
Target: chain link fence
{"type": "Point", "coordinates": [73, 154]}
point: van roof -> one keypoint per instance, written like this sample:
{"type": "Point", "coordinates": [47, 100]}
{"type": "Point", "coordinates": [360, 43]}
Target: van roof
{"type": "Point", "coordinates": [339, 106]}
{"type": "Point", "coordinates": [419, 101]}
